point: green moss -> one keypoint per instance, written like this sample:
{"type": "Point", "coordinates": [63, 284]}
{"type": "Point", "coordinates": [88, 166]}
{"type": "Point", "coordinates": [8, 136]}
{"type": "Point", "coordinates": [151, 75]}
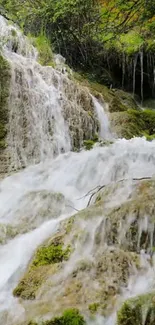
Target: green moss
{"type": "Point", "coordinates": [118, 100]}
{"type": "Point", "coordinates": [146, 120]}
{"type": "Point", "coordinates": [134, 123]}
{"type": "Point", "coordinates": [3, 144]}
{"type": "Point", "coordinates": [125, 125]}
{"type": "Point", "coordinates": [126, 99]}
{"type": "Point", "coordinates": [3, 131]}
{"type": "Point", "coordinates": [148, 116]}
{"type": "Point", "coordinates": [44, 49]}
{"type": "Point", "coordinates": [46, 260]}
{"type": "Point", "coordinates": [4, 88]}
{"type": "Point", "coordinates": [51, 254]}
{"type": "Point", "coordinates": [94, 307]}
{"type": "Point", "coordinates": [28, 286]}
{"type": "Point", "coordinates": [69, 317]}
{"type": "Point", "coordinates": [5, 77]}
{"type": "Point", "coordinates": [138, 311]}
{"type": "Point", "coordinates": [88, 144]}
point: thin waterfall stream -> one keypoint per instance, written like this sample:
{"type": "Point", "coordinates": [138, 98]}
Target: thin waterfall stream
{"type": "Point", "coordinates": [34, 202]}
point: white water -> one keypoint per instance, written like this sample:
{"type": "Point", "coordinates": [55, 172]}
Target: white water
{"type": "Point", "coordinates": [104, 121]}
{"type": "Point", "coordinates": [43, 104]}
{"type": "Point", "coordinates": [72, 174]}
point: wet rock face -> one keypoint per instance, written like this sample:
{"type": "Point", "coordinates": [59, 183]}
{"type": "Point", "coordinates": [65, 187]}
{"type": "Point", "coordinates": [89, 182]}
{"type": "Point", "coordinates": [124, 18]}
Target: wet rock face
{"type": "Point", "coordinates": [79, 113]}
{"type": "Point", "coordinates": [37, 95]}
{"type": "Point", "coordinates": [130, 225]}
{"type": "Point", "coordinates": [96, 251]}
{"type": "Point", "coordinates": [62, 111]}
{"type": "Point", "coordinates": [5, 74]}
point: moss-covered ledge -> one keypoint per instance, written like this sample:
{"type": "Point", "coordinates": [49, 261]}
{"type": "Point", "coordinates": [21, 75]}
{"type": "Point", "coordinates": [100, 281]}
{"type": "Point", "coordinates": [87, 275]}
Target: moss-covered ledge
{"type": "Point", "coordinates": [138, 311]}
{"type": "Point", "coordinates": [69, 317]}
{"type": "Point", "coordinates": [117, 99]}
{"type": "Point", "coordinates": [132, 123]}
{"type": "Point", "coordinates": [46, 261]}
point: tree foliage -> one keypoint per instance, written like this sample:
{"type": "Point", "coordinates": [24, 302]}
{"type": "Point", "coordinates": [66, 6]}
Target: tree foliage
{"type": "Point", "coordinates": [83, 30]}
{"type": "Point", "coordinates": [70, 25]}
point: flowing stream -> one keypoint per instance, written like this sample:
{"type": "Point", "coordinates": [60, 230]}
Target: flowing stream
{"type": "Point", "coordinates": [72, 174]}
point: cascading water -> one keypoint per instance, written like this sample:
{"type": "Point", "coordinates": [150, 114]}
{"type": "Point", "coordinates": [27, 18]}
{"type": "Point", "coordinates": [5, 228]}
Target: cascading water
{"type": "Point", "coordinates": [34, 202]}
{"type": "Point", "coordinates": [104, 121]}
{"type": "Point", "coordinates": [41, 100]}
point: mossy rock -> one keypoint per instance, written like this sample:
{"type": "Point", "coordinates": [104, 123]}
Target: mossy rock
{"type": "Point", "coordinates": [3, 131]}
{"type": "Point", "coordinates": [3, 144]}
{"type": "Point", "coordinates": [117, 99]}
{"type": "Point", "coordinates": [124, 222]}
{"type": "Point", "coordinates": [126, 99]}
{"type": "Point", "coordinates": [28, 286]}
{"type": "Point", "coordinates": [88, 284]}
{"type": "Point", "coordinates": [5, 74]}
{"type": "Point", "coordinates": [51, 254]}
{"type": "Point", "coordinates": [93, 308]}
{"type": "Point", "coordinates": [126, 125]}
{"type": "Point", "coordinates": [138, 311]}
{"type": "Point", "coordinates": [5, 77]}
{"type": "Point", "coordinates": [69, 317]}
{"type": "Point", "coordinates": [134, 123]}
{"type": "Point", "coordinates": [46, 261]}
{"type": "Point", "coordinates": [88, 144]}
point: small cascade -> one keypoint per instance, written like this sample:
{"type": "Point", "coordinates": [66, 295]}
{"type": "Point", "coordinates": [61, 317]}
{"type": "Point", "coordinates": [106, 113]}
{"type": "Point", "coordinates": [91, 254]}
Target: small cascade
{"type": "Point", "coordinates": [103, 118]}
{"type": "Point", "coordinates": [49, 113]}
{"type": "Point", "coordinates": [37, 127]}
{"type": "Point", "coordinates": [12, 40]}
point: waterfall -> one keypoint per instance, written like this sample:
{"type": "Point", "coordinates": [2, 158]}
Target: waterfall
{"type": "Point", "coordinates": [36, 110]}
{"type": "Point", "coordinates": [102, 116]}
{"type": "Point", "coordinates": [49, 114]}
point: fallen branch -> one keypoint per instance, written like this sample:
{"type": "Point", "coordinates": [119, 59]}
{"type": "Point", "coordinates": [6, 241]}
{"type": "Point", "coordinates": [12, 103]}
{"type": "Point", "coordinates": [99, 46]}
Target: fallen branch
{"type": "Point", "coordinates": [99, 188]}
{"type": "Point", "coordinates": [82, 197]}
{"type": "Point", "coordinates": [70, 206]}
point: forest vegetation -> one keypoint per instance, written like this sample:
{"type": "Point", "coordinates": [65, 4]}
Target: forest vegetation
{"type": "Point", "coordinates": [99, 37]}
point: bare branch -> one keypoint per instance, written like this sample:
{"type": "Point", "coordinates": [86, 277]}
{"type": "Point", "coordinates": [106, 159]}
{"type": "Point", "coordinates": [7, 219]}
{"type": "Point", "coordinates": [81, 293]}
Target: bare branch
{"type": "Point", "coordinates": [99, 188]}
